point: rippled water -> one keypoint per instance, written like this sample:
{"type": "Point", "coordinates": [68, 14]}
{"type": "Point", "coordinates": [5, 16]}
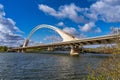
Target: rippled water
{"type": "Point", "coordinates": [38, 66]}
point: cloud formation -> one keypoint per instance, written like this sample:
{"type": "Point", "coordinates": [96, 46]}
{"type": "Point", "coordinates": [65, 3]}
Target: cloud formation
{"type": "Point", "coordinates": [115, 30]}
{"type": "Point", "coordinates": [60, 24]}
{"type": "Point", "coordinates": [89, 27]}
{"type": "Point", "coordinates": [8, 30]}
{"type": "Point", "coordinates": [102, 10]}
{"type": "Point", "coordinates": [53, 38]}
{"type": "Point", "coordinates": [74, 32]}
{"type": "Point", "coordinates": [66, 11]}
{"type": "Point", "coordinates": [105, 10]}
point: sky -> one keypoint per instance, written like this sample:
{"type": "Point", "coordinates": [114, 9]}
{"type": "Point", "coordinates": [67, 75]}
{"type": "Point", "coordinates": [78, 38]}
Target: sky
{"type": "Point", "coordinates": [81, 18]}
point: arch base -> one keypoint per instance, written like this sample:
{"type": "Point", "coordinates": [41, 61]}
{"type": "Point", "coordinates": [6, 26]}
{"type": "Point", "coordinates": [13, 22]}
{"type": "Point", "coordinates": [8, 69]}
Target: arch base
{"type": "Point", "coordinates": [75, 51]}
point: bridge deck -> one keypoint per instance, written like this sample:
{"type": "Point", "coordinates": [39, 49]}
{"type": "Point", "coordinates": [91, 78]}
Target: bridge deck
{"type": "Point", "coordinates": [86, 41]}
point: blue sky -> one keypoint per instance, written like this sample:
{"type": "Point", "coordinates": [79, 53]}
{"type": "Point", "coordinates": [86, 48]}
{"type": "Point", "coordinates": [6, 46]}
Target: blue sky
{"type": "Point", "coordinates": [81, 18]}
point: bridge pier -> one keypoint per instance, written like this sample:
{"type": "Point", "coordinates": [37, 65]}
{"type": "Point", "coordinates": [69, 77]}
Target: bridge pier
{"type": "Point", "coordinates": [75, 51]}
{"type": "Point", "coordinates": [18, 51]}
{"type": "Point", "coordinates": [26, 43]}
{"type": "Point", "coordinates": [50, 49]}
{"type": "Point", "coordinates": [23, 50]}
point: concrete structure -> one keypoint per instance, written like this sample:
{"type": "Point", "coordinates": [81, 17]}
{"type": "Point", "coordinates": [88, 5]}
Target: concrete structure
{"type": "Point", "coordinates": [68, 41]}
{"type": "Point", "coordinates": [65, 36]}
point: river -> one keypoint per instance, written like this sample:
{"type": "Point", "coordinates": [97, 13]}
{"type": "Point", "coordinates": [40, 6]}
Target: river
{"type": "Point", "coordinates": [39, 66]}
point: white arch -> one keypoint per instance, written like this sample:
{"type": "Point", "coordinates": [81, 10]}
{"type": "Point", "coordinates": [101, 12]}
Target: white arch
{"type": "Point", "coordinates": [65, 36]}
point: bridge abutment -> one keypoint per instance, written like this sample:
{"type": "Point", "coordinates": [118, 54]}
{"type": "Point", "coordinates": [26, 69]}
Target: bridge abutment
{"type": "Point", "coordinates": [75, 51]}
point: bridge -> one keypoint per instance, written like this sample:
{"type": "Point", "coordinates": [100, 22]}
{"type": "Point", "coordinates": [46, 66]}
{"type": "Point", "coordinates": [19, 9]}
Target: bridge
{"type": "Point", "coordinates": [68, 41]}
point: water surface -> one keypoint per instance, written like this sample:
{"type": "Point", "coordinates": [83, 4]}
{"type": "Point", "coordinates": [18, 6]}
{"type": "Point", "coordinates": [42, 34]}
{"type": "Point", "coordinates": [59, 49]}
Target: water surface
{"type": "Point", "coordinates": [39, 66]}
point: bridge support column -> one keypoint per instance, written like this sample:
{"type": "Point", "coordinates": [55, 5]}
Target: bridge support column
{"type": "Point", "coordinates": [23, 50]}
{"type": "Point", "coordinates": [75, 51]}
{"type": "Point", "coordinates": [26, 43]}
{"type": "Point", "coordinates": [50, 49]}
{"type": "Point", "coordinates": [18, 51]}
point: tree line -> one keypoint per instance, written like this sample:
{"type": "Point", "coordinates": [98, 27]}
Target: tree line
{"type": "Point", "coordinates": [3, 48]}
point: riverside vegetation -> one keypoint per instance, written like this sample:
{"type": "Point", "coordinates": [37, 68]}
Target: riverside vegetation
{"type": "Point", "coordinates": [109, 69]}
{"type": "Point", "coordinates": [3, 48]}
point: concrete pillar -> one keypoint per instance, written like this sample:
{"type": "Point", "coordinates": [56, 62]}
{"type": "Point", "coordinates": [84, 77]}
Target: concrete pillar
{"type": "Point", "coordinates": [26, 43]}
{"type": "Point", "coordinates": [23, 50]}
{"type": "Point", "coordinates": [75, 51]}
{"type": "Point", "coordinates": [50, 49]}
{"type": "Point", "coordinates": [18, 51]}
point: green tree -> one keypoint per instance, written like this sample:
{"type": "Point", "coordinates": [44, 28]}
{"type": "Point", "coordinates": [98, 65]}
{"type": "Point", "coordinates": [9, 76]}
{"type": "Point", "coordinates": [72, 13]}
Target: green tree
{"type": "Point", "coordinates": [3, 48]}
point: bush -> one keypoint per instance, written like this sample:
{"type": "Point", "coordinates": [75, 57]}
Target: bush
{"type": "Point", "coordinates": [3, 48]}
{"type": "Point", "coordinates": [109, 69]}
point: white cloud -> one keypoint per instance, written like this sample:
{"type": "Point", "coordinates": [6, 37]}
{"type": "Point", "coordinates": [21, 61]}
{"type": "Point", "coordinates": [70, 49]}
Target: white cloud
{"type": "Point", "coordinates": [90, 27]}
{"type": "Point", "coordinates": [97, 30]}
{"type": "Point", "coordinates": [73, 31]}
{"type": "Point", "coordinates": [115, 30]}
{"type": "Point", "coordinates": [33, 43]}
{"type": "Point", "coordinates": [47, 9]}
{"type": "Point", "coordinates": [87, 27]}
{"type": "Point", "coordinates": [70, 30]}
{"type": "Point", "coordinates": [2, 13]}
{"type": "Point", "coordinates": [8, 30]}
{"type": "Point", "coordinates": [106, 10]}
{"type": "Point", "coordinates": [66, 11]}
{"type": "Point", "coordinates": [53, 38]}
{"type": "Point", "coordinates": [60, 24]}
{"type": "Point", "coordinates": [112, 2]}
